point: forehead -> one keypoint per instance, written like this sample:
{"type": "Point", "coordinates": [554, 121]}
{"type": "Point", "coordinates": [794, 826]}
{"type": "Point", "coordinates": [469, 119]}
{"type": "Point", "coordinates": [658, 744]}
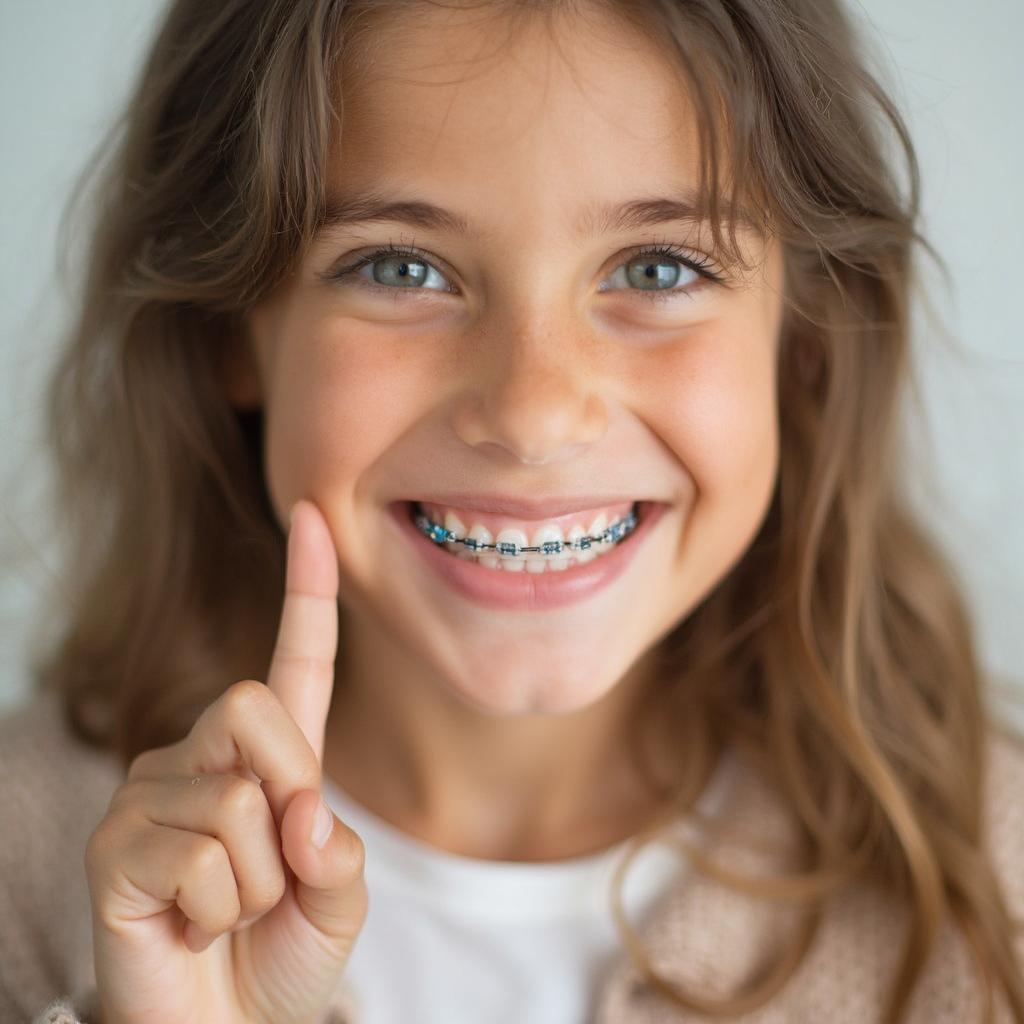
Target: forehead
{"type": "Point", "coordinates": [557, 113]}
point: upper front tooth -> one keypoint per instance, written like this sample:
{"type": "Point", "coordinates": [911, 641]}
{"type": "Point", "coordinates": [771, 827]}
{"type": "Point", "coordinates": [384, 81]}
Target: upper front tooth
{"type": "Point", "coordinates": [510, 535]}
{"type": "Point", "coordinates": [454, 524]}
{"type": "Point", "coordinates": [536, 561]}
{"type": "Point", "coordinates": [543, 534]}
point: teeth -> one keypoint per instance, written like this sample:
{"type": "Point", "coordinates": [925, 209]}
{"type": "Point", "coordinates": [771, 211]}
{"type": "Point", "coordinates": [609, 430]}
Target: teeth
{"type": "Point", "coordinates": [515, 563]}
{"type": "Point", "coordinates": [581, 556]}
{"type": "Point", "coordinates": [454, 523]}
{"type": "Point", "coordinates": [483, 535]}
{"type": "Point", "coordinates": [534, 561]}
{"type": "Point", "coordinates": [539, 562]}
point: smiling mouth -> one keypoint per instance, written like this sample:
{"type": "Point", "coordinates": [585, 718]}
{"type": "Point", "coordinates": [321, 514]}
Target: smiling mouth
{"type": "Point", "coordinates": [511, 550]}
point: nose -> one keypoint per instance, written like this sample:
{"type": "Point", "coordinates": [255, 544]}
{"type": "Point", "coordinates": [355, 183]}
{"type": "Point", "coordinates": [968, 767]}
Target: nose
{"type": "Point", "coordinates": [533, 398]}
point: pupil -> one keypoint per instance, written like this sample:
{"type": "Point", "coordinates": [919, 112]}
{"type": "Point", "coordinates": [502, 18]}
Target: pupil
{"type": "Point", "coordinates": [649, 274]}
{"type": "Point", "coordinates": [394, 270]}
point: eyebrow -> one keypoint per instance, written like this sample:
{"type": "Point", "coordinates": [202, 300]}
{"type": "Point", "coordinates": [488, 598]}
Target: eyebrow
{"type": "Point", "coordinates": [364, 207]}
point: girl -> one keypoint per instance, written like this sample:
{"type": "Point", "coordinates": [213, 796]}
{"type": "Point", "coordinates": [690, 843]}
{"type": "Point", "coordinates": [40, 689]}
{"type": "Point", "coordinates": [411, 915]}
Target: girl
{"type": "Point", "coordinates": [483, 417]}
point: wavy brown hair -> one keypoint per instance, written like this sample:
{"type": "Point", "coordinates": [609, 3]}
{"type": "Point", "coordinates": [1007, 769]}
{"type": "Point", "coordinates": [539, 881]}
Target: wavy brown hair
{"type": "Point", "coordinates": [838, 650]}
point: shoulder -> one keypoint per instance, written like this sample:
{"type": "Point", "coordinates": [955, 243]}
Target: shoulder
{"type": "Point", "coordinates": [863, 930]}
{"type": "Point", "coordinates": [950, 988]}
{"type": "Point", "coordinates": [55, 791]}
{"type": "Point", "coordinates": [849, 966]}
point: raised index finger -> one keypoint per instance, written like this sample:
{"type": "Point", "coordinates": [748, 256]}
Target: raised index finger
{"type": "Point", "coordinates": [302, 667]}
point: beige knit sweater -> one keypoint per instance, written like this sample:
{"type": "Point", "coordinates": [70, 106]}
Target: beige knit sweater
{"type": "Point", "coordinates": [704, 936]}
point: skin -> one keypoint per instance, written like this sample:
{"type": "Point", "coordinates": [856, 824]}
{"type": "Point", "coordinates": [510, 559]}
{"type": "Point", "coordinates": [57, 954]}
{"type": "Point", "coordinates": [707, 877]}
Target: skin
{"type": "Point", "coordinates": [221, 828]}
{"type": "Point", "coordinates": [485, 733]}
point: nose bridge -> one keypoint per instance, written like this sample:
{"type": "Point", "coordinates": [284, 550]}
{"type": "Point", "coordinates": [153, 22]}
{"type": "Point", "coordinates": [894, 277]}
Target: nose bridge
{"type": "Point", "coordinates": [531, 390]}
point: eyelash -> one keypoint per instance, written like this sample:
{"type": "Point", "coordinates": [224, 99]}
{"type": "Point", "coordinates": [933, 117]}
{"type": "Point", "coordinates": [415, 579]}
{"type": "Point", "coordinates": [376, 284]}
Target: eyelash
{"type": "Point", "coordinates": [665, 250]}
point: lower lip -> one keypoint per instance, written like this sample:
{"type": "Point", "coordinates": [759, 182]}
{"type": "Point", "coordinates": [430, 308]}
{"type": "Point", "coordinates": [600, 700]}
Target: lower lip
{"type": "Point", "coordinates": [524, 590]}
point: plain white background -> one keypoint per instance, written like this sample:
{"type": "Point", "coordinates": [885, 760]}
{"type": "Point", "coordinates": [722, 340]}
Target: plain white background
{"type": "Point", "coordinates": [955, 72]}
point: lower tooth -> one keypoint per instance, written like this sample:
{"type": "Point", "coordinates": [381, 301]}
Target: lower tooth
{"type": "Point", "coordinates": [532, 565]}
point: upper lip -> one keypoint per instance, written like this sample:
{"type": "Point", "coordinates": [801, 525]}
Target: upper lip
{"type": "Point", "coordinates": [526, 508]}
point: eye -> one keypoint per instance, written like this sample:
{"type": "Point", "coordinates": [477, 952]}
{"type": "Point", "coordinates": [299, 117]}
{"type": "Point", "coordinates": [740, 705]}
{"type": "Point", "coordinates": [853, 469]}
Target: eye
{"type": "Point", "coordinates": [654, 272]}
{"type": "Point", "coordinates": [395, 268]}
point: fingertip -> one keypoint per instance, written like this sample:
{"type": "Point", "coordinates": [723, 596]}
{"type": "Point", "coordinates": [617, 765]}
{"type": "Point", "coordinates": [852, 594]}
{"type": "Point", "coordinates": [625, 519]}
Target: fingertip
{"type": "Point", "coordinates": [196, 939]}
{"type": "Point", "coordinates": [309, 834]}
{"type": "Point", "coordinates": [297, 824]}
{"type": "Point", "coordinates": [315, 568]}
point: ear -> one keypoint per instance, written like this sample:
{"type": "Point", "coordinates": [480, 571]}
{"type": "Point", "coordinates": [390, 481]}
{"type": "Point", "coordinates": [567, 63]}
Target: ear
{"type": "Point", "coordinates": [240, 373]}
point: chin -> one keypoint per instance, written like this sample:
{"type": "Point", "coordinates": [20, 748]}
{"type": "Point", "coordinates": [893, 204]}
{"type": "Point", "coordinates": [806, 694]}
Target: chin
{"type": "Point", "coordinates": [532, 693]}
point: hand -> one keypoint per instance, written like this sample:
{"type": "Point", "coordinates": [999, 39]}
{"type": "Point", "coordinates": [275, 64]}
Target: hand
{"type": "Point", "coordinates": [209, 901]}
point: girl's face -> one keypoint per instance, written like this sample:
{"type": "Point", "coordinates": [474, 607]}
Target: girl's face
{"type": "Point", "coordinates": [519, 353]}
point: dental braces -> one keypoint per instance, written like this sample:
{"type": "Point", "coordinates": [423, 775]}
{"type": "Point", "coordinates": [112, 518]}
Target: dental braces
{"type": "Point", "coordinates": [613, 534]}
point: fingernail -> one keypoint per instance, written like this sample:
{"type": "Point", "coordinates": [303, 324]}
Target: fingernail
{"type": "Point", "coordinates": [323, 822]}
{"type": "Point", "coordinates": [291, 516]}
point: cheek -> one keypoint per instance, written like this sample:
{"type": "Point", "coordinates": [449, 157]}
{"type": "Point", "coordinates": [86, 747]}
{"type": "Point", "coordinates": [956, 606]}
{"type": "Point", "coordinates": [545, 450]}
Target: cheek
{"type": "Point", "coordinates": [340, 398]}
{"type": "Point", "coordinates": [716, 409]}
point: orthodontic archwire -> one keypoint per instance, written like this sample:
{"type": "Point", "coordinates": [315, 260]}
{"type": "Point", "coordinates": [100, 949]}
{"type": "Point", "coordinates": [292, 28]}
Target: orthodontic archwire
{"type": "Point", "coordinates": [613, 534]}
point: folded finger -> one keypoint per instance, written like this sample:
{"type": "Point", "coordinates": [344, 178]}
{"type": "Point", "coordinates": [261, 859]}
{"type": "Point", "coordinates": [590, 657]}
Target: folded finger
{"type": "Point", "coordinates": [230, 809]}
{"type": "Point", "coordinates": [248, 728]}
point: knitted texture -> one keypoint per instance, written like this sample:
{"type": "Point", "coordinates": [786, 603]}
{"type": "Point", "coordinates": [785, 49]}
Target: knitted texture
{"type": "Point", "coordinates": [60, 1011]}
{"type": "Point", "coordinates": [703, 937]}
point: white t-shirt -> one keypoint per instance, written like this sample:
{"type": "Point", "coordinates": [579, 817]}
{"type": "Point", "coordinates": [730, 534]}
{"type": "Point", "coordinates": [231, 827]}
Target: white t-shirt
{"type": "Point", "coordinates": [451, 939]}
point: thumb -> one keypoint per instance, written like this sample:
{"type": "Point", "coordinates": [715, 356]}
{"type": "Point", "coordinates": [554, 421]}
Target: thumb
{"type": "Point", "coordinates": [330, 889]}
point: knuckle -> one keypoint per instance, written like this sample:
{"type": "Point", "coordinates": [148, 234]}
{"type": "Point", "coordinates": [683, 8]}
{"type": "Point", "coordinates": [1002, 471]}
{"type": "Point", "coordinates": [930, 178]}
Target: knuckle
{"type": "Point", "coordinates": [152, 763]}
{"type": "Point", "coordinates": [239, 798]}
{"type": "Point", "coordinates": [244, 698]}
{"type": "Point", "coordinates": [220, 918]}
{"type": "Point", "coordinates": [308, 773]}
{"type": "Point", "coordinates": [265, 898]}
{"type": "Point", "coordinates": [207, 857]}
{"type": "Point", "coordinates": [105, 851]}
{"type": "Point", "coordinates": [291, 655]}
{"type": "Point", "coordinates": [98, 849]}
{"type": "Point", "coordinates": [127, 794]}
{"type": "Point", "coordinates": [139, 762]}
